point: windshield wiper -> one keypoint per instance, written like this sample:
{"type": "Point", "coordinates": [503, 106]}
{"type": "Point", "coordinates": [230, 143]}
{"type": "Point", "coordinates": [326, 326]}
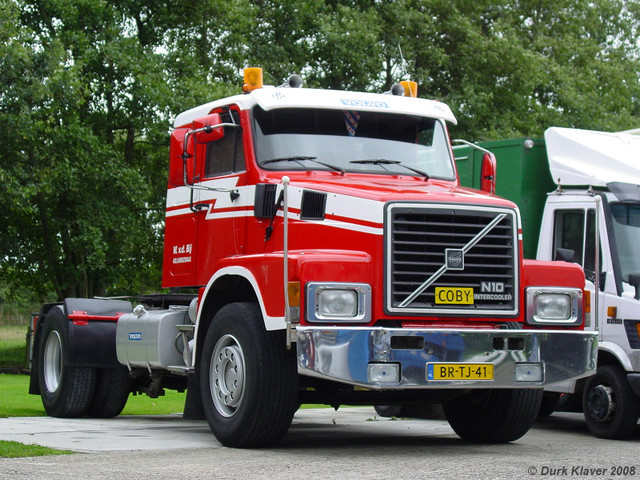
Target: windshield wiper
{"type": "Point", "coordinates": [299, 158]}
{"type": "Point", "coordinates": [384, 161]}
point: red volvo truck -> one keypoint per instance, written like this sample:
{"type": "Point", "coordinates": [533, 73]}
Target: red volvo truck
{"type": "Point", "coordinates": [319, 249]}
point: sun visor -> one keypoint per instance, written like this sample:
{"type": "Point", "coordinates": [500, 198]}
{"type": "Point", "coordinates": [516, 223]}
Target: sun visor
{"type": "Point", "coordinates": [271, 98]}
{"type": "Point", "coordinates": [588, 157]}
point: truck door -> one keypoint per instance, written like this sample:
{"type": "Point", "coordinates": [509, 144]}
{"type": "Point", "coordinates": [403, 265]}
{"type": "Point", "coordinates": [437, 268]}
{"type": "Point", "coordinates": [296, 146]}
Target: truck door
{"type": "Point", "coordinates": [206, 170]}
{"type": "Point", "coordinates": [223, 200]}
{"type": "Point", "coordinates": [574, 231]}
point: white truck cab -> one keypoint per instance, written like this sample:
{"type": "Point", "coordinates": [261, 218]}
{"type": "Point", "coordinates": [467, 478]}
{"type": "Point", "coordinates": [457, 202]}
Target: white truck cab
{"type": "Point", "coordinates": [569, 186]}
{"type": "Point", "coordinates": [609, 163]}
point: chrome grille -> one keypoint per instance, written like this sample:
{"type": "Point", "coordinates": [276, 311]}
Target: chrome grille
{"type": "Point", "coordinates": [418, 238]}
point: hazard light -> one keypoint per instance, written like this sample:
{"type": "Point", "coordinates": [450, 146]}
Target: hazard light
{"type": "Point", "coordinates": [410, 88]}
{"type": "Point", "coordinates": [252, 79]}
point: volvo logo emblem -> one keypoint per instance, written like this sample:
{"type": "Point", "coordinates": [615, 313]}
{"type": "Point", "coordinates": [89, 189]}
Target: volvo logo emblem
{"type": "Point", "coordinates": [454, 258]}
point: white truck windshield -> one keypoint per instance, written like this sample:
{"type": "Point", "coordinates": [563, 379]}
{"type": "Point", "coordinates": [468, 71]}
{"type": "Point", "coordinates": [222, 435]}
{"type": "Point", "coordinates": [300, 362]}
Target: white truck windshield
{"type": "Point", "coordinates": [351, 141]}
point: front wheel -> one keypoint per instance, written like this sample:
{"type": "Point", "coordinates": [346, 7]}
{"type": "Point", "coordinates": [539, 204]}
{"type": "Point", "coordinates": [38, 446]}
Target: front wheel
{"type": "Point", "coordinates": [493, 416]}
{"type": "Point", "coordinates": [248, 378]}
{"type": "Point", "coordinates": [65, 391]}
{"type": "Point", "coordinates": [610, 407]}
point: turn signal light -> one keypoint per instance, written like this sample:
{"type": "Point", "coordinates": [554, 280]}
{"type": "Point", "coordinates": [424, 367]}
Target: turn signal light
{"type": "Point", "coordinates": [252, 79]}
{"type": "Point", "coordinates": [293, 290]}
{"type": "Point", "coordinates": [587, 301]}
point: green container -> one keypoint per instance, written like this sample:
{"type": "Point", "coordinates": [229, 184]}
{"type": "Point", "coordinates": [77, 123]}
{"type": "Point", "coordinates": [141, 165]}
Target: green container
{"type": "Point", "coordinates": [522, 176]}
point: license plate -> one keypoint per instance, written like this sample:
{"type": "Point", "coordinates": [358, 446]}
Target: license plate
{"type": "Point", "coordinates": [459, 371]}
{"type": "Point", "coordinates": [454, 295]}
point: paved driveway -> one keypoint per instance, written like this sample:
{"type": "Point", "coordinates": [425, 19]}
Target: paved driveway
{"type": "Point", "coordinates": [321, 444]}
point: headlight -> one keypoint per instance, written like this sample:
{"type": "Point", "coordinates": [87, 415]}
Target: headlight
{"type": "Point", "coordinates": [554, 306]}
{"type": "Point", "coordinates": [338, 302]}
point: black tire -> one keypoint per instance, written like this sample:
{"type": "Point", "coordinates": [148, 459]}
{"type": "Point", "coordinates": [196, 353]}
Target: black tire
{"type": "Point", "coordinates": [248, 378]}
{"type": "Point", "coordinates": [549, 403]}
{"type": "Point", "coordinates": [112, 391]}
{"type": "Point", "coordinates": [493, 416]}
{"type": "Point", "coordinates": [388, 411]}
{"type": "Point", "coordinates": [610, 407]}
{"type": "Point", "coordinates": [66, 391]}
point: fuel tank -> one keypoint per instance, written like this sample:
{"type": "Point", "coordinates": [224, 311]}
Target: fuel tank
{"type": "Point", "coordinates": [150, 339]}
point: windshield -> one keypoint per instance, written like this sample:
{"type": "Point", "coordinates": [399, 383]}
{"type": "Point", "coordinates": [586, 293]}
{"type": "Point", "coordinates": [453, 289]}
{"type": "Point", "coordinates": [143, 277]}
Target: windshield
{"type": "Point", "coordinates": [351, 141]}
{"type": "Point", "coordinates": [626, 228]}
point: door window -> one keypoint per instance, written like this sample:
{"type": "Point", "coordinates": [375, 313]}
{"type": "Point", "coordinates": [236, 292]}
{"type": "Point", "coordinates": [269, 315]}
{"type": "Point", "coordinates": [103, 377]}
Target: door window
{"type": "Point", "coordinates": [575, 230]}
{"type": "Point", "coordinates": [225, 155]}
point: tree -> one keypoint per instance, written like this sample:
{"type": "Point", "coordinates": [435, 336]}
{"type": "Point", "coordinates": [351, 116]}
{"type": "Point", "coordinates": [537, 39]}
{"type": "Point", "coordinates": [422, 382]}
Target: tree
{"type": "Point", "coordinates": [88, 90]}
{"type": "Point", "coordinates": [83, 198]}
{"type": "Point", "coordinates": [515, 67]}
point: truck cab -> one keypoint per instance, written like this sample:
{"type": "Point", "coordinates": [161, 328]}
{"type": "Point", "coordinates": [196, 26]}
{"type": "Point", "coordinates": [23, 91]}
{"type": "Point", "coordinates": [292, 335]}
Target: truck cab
{"type": "Point", "coordinates": [610, 206]}
{"type": "Point", "coordinates": [319, 249]}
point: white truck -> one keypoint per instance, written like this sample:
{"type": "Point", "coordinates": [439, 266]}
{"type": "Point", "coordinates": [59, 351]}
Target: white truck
{"type": "Point", "coordinates": [569, 186]}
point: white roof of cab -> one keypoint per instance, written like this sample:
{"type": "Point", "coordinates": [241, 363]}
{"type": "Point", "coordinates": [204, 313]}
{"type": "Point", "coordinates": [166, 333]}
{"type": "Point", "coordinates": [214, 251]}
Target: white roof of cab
{"type": "Point", "coordinates": [270, 98]}
{"type": "Point", "coordinates": [589, 157]}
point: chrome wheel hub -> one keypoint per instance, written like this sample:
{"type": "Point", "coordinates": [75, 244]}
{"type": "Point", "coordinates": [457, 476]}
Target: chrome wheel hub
{"type": "Point", "coordinates": [600, 403]}
{"type": "Point", "coordinates": [52, 361]}
{"type": "Point", "coordinates": [227, 375]}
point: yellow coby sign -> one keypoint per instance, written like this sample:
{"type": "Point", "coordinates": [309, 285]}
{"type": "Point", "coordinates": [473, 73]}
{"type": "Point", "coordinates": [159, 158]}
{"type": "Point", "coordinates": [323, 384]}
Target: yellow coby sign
{"type": "Point", "coordinates": [453, 295]}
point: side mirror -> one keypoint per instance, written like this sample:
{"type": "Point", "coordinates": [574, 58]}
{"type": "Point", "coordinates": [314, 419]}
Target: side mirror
{"type": "Point", "coordinates": [187, 146]}
{"type": "Point", "coordinates": [565, 255]}
{"type": "Point", "coordinates": [634, 280]}
{"type": "Point", "coordinates": [488, 172]}
{"type": "Point", "coordinates": [176, 158]}
{"type": "Point", "coordinates": [208, 129]}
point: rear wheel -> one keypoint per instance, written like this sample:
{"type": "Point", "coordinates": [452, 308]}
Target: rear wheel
{"type": "Point", "coordinates": [248, 379]}
{"type": "Point", "coordinates": [65, 391]}
{"type": "Point", "coordinates": [549, 403]}
{"type": "Point", "coordinates": [610, 407]}
{"type": "Point", "coordinates": [493, 416]}
{"type": "Point", "coordinates": [112, 391]}
{"type": "Point", "coordinates": [388, 411]}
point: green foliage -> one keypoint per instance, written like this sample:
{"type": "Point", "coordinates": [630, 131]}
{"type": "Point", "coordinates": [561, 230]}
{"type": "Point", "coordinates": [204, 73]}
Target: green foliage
{"type": "Point", "coordinates": [13, 348]}
{"type": "Point", "coordinates": [13, 357]}
{"type": "Point", "coordinates": [88, 90]}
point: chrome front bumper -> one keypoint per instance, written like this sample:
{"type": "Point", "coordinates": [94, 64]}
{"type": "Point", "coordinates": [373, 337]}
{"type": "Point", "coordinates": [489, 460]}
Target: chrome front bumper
{"type": "Point", "coordinates": [349, 354]}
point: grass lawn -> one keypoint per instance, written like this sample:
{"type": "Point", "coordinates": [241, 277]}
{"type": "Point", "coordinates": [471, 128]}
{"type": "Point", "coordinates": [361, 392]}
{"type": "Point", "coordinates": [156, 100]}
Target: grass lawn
{"type": "Point", "coordinates": [16, 449]}
{"type": "Point", "coordinates": [15, 400]}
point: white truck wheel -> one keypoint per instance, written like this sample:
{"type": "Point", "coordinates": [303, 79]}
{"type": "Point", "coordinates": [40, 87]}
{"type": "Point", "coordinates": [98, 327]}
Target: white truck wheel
{"type": "Point", "coordinates": [610, 407]}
